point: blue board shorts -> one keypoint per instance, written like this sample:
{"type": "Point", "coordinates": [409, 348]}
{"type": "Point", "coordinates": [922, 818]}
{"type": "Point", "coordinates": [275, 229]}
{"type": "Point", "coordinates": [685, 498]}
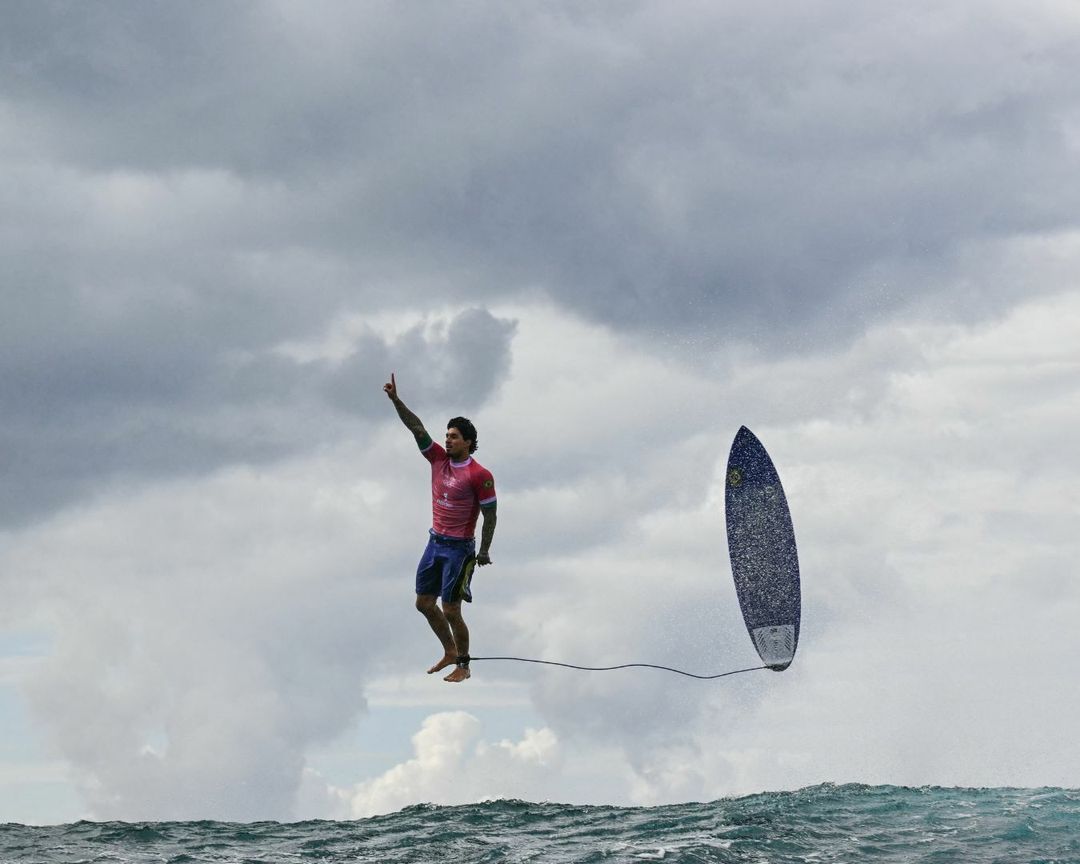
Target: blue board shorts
{"type": "Point", "coordinates": [446, 568]}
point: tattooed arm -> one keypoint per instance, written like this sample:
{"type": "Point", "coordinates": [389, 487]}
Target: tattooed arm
{"type": "Point", "coordinates": [411, 421]}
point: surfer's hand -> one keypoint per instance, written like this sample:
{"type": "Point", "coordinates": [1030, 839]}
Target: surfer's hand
{"type": "Point", "coordinates": [482, 558]}
{"type": "Point", "coordinates": [390, 388]}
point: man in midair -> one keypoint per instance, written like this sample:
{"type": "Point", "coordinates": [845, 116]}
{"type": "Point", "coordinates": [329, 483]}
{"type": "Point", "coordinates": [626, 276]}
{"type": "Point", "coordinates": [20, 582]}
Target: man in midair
{"type": "Point", "coordinates": [461, 490]}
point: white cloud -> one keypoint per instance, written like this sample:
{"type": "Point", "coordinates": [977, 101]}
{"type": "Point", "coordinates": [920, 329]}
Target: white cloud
{"type": "Point", "coordinates": [612, 237]}
{"type": "Point", "coordinates": [217, 626]}
{"type": "Point", "coordinates": [933, 523]}
{"type": "Point", "coordinates": [207, 632]}
{"type": "Point", "coordinates": [452, 765]}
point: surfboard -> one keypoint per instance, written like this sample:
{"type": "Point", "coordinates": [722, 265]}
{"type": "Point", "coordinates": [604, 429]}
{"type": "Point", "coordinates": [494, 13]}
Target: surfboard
{"type": "Point", "coordinates": [761, 545]}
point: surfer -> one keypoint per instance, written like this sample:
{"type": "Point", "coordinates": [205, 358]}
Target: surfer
{"type": "Point", "coordinates": [461, 490]}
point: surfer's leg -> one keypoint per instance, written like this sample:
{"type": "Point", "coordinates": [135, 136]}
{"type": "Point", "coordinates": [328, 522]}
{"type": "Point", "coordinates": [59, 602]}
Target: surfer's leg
{"type": "Point", "coordinates": [452, 614]}
{"type": "Point", "coordinates": [430, 576]}
{"type": "Point", "coordinates": [428, 607]}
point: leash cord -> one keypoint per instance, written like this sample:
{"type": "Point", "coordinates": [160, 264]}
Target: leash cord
{"type": "Point", "coordinates": [624, 666]}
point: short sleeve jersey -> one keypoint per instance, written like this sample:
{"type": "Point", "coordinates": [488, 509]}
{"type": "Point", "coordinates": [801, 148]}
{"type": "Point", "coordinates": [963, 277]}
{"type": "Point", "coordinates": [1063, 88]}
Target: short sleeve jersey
{"type": "Point", "coordinates": [458, 491]}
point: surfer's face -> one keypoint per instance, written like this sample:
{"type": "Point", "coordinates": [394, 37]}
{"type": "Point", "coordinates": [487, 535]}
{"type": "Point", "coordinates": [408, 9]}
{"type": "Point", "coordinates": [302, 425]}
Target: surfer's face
{"type": "Point", "coordinates": [457, 448]}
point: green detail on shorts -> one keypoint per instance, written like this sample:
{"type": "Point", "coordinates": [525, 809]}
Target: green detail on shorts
{"type": "Point", "coordinates": [424, 441]}
{"type": "Point", "coordinates": [463, 580]}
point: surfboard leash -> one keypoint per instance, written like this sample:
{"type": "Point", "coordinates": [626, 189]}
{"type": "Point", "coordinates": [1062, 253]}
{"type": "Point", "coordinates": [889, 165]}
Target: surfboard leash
{"type": "Point", "coordinates": [624, 666]}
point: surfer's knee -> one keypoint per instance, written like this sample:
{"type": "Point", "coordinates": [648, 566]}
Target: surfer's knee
{"type": "Point", "coordinates": [452, 611]}
{"type": "Point", "coordinates": [425, 603]}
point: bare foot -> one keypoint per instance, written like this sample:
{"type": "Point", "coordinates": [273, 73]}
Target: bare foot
{"type": "Point", "coordinates": [461, 673]}
{"type": "Point", "coordinates": [447, 660]}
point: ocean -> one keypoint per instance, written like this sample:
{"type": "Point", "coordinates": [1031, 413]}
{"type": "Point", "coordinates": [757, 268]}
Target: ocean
{"type": "Point", "coordinates": [827, 823]}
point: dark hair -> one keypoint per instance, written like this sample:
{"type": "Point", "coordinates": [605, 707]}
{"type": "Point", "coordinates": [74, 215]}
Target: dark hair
{"type": "Point", "coordinates": [467, 430]}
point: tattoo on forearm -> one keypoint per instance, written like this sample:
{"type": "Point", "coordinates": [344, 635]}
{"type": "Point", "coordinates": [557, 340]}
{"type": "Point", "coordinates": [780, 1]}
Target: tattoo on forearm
{"type": "Point", "coordinates": [488, 531]}
{"type": "Point", "coordinates": [409, 419]}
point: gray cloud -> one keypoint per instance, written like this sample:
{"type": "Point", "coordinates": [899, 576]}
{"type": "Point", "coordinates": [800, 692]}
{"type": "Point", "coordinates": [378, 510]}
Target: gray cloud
{"type": "Point", "coordinates": [460, 361]}
{"type": "Point", "coordinates": [131, 406]}
{"type": "Point", "coordinates": [726, 168]}
{"type": "Point", "coordinates": [186, 188]}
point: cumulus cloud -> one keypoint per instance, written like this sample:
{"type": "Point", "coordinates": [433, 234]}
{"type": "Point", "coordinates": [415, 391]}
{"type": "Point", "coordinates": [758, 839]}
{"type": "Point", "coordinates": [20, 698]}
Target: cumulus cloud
{"type": "Point", "coordinates": [453, 765]}
{"type": "Point", "coordinates": [610, 235]}
{"type": "Point", "coordinates": [266, 599]}
{"type": "Point", "coordinates": [207, 632]}
{"type": "Point", "coordinates": [925, 516]}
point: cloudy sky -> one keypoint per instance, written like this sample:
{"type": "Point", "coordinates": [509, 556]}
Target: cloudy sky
{"type": "Point", "coordinates": [611, 234]}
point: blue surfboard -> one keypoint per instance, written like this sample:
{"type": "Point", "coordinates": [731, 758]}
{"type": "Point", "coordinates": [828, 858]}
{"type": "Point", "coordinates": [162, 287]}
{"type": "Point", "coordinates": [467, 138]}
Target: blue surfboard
{"type": "Point", "coordinates": [761, 545]}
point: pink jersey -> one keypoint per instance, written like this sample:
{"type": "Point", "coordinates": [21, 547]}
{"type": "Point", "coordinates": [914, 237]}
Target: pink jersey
{"type": "Point", "coordinates": [458, 491]}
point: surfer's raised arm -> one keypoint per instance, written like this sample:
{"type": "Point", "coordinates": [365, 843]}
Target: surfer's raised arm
{"type": "Point", "coordinates": [411, 421]}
